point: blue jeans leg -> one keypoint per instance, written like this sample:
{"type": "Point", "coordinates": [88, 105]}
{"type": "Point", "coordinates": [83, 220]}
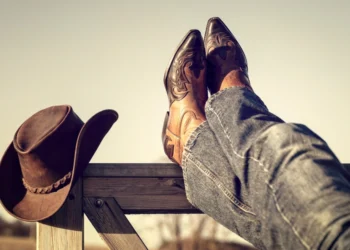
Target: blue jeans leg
{"type": "Point", "coordinates": [276, 184]}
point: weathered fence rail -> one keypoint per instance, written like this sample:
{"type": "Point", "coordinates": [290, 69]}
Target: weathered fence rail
{"type": "Point", "coordinates": [139, 188]}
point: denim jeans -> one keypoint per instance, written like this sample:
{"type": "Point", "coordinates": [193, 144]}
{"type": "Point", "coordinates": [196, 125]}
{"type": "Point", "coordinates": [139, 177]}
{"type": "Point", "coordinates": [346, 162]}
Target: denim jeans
{"type": "Point", "coordinates": [278, 185]}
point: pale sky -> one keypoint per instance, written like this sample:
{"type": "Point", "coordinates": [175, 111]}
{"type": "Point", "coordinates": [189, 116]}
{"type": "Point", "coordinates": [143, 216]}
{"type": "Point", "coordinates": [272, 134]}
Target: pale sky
{"type": "Point", "coordinates": [95, 55]}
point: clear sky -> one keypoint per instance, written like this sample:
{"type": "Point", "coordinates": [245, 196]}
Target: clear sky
{"type": "Point", "coordinates": [95, 55]}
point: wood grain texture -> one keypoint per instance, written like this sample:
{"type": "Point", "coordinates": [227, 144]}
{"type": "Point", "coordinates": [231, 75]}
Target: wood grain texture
{"type": "Point", "coordinates": [111, 187]}
{"type": "Point", "coordinates": [142, 195]}
{"type": "Point", "coordinates": [111, 224]}
{"type": "Point", "coordinates": [133, 170]}
{"type": "Point", "coordinates": [155, 204]}
{"type": "Point", "coordinates": [64, 230]}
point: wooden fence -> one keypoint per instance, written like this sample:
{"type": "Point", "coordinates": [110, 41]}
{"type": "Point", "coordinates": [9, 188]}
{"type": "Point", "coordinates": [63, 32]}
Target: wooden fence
{"type": "Point", "coordinates": [105, 194]}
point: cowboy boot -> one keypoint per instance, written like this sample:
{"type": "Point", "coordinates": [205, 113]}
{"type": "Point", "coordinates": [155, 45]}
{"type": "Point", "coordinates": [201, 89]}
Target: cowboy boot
{"type": "Point", "coordinates": [184, 82]}
{"type": "Point", "coordinates": [226, 62]}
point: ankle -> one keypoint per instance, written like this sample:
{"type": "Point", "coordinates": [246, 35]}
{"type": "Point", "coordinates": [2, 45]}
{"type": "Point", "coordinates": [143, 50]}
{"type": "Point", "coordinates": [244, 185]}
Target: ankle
{"type": "Point", "coordinates": [235, 78]}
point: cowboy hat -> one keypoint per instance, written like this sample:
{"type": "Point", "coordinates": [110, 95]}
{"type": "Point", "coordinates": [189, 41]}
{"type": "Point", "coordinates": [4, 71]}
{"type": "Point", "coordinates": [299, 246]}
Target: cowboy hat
{"type": "Point", "coordinates": [48, 154]}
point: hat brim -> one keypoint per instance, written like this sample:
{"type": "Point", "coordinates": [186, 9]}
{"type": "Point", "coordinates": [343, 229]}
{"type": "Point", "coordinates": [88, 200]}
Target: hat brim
{"type": "Point", "coordinates": [27, 206]}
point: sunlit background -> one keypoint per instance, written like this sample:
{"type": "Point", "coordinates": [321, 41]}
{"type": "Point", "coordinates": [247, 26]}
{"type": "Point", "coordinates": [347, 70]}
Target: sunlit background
{"type": "Point", "coordinates": [95, 55]}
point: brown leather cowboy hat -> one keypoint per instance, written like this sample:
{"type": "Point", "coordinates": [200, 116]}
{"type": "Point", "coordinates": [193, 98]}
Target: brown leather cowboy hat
{"type": "Point", "coordinates": [49, 152]}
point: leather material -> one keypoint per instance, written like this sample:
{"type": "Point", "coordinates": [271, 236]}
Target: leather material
{"type": "Point", "coordinates": [185, 84]}
{"type": "Point", "coordinates": [49, 152]}
{"type": "Point", "coordinates": [41, 165]}
{"type": "Point", "coordinates": [224, 54]}
{"type": "Point", "coordinates": [190, 56]}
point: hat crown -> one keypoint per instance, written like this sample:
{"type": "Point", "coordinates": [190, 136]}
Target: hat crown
{"type": "Point", "coordinates": [45, 144]}
{"type": "Point", "coordinates": [38, 126]}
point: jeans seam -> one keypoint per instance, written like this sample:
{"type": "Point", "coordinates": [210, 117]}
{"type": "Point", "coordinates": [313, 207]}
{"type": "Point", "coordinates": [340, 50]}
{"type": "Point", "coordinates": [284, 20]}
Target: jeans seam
{"type": "Point", "coordinates": [226, 134]}
{"type": "Point", "coordinates": [187, 190]}
{"type": "Point", "coordinates": [284, 217]}
{"type": "Point", "coordinates": [234, 200]}
{"type": "Point", "coordinates": [189, 144]}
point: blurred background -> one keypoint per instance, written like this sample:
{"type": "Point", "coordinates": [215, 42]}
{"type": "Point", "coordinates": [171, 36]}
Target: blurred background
{"type": "Point", "coordinates": [103, 54]}
{"type": "Point", "coordinates": [175, 232]}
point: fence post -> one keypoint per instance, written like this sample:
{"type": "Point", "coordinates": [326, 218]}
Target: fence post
{"type": "Point", "coordinates": [64, 230]}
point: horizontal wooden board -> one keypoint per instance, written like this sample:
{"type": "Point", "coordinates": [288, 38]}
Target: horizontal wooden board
{"type": "Point", "coordinates": [133, 170]}
{"type": "Point", "coordinates": [155, 204]}
{"type": "Point", "coordinates": [137, 170]}
{"type": "Point", "coordinates": [112, 187]}
{"type": "Point", "coordinates": [140, 188]}
{"type": "Point", "coordinates": [141, 195]}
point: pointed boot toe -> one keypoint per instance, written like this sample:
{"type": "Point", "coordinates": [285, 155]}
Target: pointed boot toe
{"type": "Point", "coordinates": [184, 81]}
{"type": "Point", "coordinates": [223, 53]}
